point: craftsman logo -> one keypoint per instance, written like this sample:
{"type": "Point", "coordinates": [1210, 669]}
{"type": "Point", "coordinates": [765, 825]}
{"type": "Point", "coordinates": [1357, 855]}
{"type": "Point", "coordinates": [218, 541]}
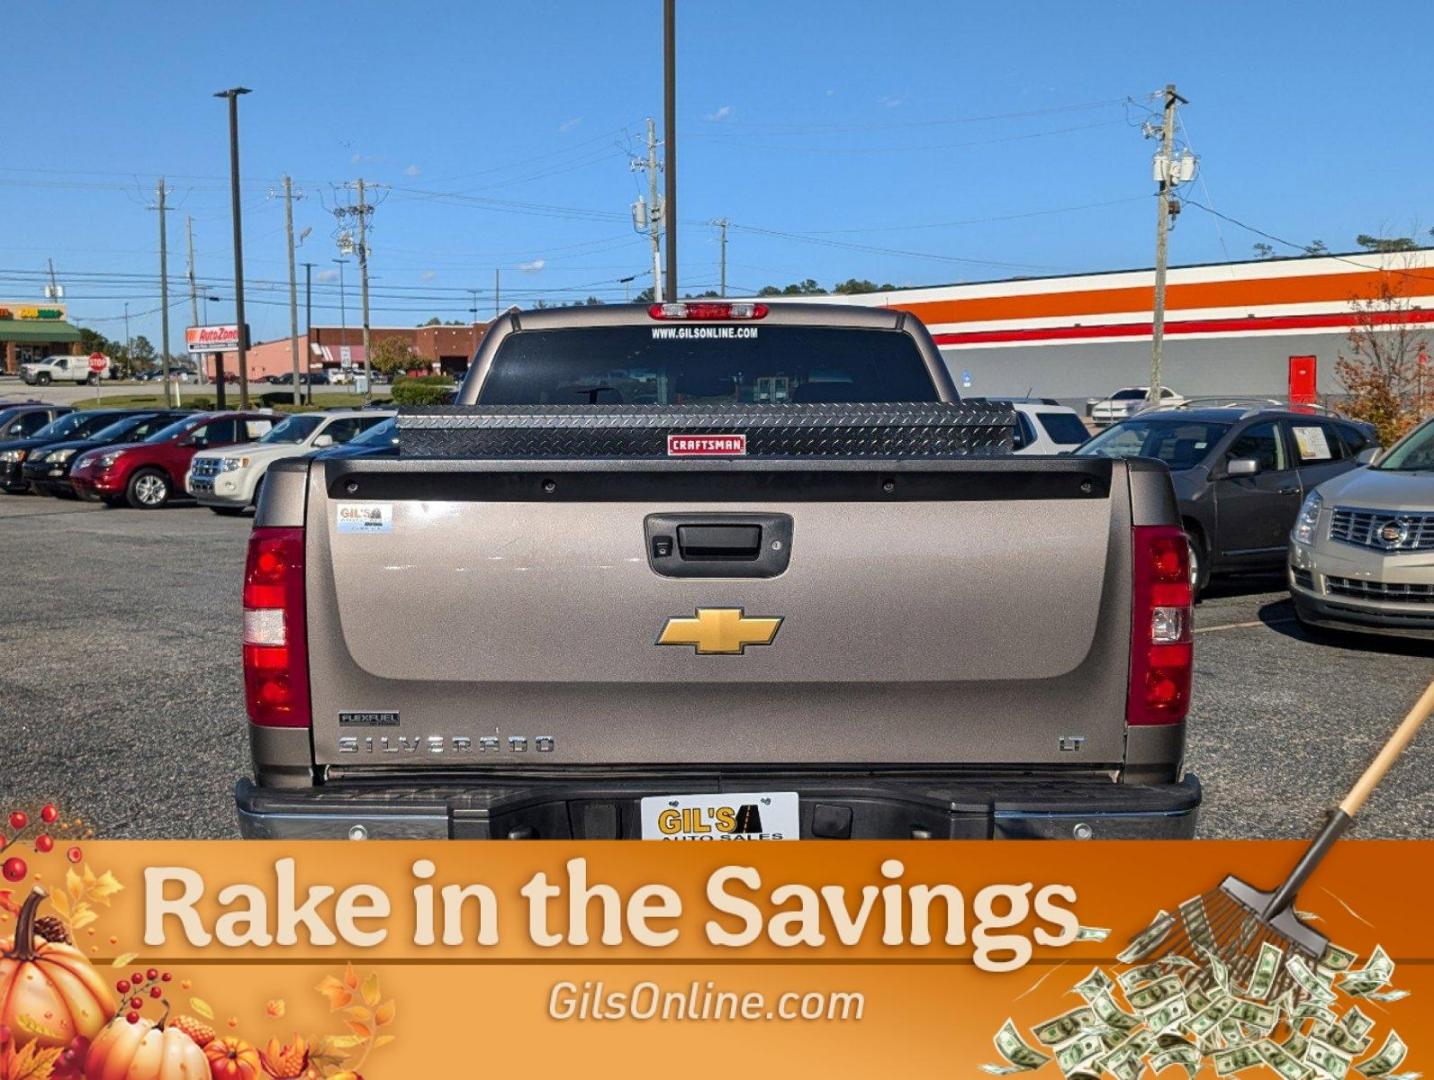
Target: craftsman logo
{"type": "Point", "coordinates": [720, 631]}
{"type": "Point", "coordinates": [706, 445]}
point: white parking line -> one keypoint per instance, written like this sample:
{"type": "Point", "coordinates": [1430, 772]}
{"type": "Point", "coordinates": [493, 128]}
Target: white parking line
{"type": "Point", "coordinates": [1242, 625]}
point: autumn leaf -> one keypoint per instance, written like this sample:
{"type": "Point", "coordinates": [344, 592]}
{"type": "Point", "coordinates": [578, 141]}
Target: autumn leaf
{"type": "Point", "coordinates": [74, 885]}
{"type": "Point", "coordinates": [383, 1040]}
{"type": "Point", "coordinates": [123, 960]}
{"type": "Point", "coordinates": [28, 1023]}
{"type": "Point", "coordinates": [371, 995]}
{"type": "Point", "coordinates": [338, 994]}
{"type": "Point", "coordinates": [33, 1063]}
{"type": "Point", "coordinates": [363, 1031]}
{"type": "Point", "coordinates": [61, 903]}
{"type": "Point", "coordinates": [359, 1013]}
{"type": "Point", "coordinates": [384, 1014]}
{"type": "Point", "coordinates": [7, 902]}
{"type": "Point", "coordinates": [202, 1007]}
{"type": "Point", "coordinates": [84, 915]}
{"type": "Point", "coordinates": [351, 979]}
{"type": "Point", "coordinates": [276, 1008]}
{"type": "Point", "coordinates": [103, 888]}
{"type": "Point", "coordinates": [331, 1048]}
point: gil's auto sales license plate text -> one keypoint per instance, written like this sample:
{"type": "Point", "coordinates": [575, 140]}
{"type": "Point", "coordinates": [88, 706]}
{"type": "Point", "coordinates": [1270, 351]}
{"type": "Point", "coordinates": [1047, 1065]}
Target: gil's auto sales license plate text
{"type": "Point", "coordinates": [765, 815]}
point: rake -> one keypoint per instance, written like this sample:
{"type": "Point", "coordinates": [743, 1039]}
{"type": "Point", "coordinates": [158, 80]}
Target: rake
{"type": "Point", "coordinates": [1232, 922]}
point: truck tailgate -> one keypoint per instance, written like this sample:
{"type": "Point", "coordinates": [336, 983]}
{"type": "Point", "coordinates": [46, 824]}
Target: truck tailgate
{"type": "Point", "coordinates": [506, 613]}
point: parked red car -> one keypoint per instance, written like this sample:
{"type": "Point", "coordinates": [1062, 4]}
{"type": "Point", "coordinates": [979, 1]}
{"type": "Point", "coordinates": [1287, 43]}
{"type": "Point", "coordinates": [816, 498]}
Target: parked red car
{"type": "Point", "coordinates": [147, 474]}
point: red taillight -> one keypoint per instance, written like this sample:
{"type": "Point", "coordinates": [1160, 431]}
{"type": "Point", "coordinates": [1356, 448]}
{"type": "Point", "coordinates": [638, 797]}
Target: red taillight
{"type": "Point", "coordinates": [276, 655]}
{"type": "Point", "coordinates": [708, 309]}
{"type": "Point", "coordinates": [1161, 649]}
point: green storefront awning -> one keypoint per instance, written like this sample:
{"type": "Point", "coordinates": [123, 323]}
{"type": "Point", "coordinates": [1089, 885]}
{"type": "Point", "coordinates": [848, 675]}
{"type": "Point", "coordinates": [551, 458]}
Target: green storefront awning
{"type": "Point", "coordinates": [39, 330]}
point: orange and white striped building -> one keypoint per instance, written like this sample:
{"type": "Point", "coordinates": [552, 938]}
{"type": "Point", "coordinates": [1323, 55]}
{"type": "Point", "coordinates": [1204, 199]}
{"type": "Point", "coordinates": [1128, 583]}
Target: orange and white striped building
{"type": "Point", "coordinates": [1230, 328]}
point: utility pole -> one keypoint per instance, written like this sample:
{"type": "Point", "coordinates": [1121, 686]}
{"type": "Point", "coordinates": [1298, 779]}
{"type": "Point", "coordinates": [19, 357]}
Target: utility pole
{"type": "Point", "coordinates": [233, 95]}
{"type": "Point", "coordinates": [363, 211]}
{"type": "Point", "coordinates": [649, 216]}
{"type": "Point", "coordinates": [308, 325]}
{"type": "Point", "coordinates": [669, 138]}
{"type": "Point", "coordinates": [1167, 177]}
{"type": "Point", "coordinates": [473, 295]}
{"type": "Point", "coordinates": [164, 293]}
{"type": "Point", "coordinates": [126, 329]}
{"type": "Point", "coordinates": [343, 314]}
{"type": "Point", "coordinates": [54, 293]}
{"type": "Point", "coordinates": [497, 291]}
{"type": "Point", "coordinates": [722, 224]}
{"type": "Point", "coordinates": [293, 287]}
{"type": "Point", "coordinates": [189, 272]}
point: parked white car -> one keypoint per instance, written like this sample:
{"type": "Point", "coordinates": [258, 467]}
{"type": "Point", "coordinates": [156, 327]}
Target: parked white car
{"type": "Point", "coordinates": [53, 369]}
{"type": "Point", "coordinates": [1043, 426]}
{"type": "Point", "coordinates": [1126, 402]}
{"type": "Point", "coordinates": [228, 481]}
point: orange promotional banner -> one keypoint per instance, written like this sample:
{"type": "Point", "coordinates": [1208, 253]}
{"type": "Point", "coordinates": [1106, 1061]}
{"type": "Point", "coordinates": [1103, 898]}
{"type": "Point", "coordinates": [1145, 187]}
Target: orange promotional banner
{"type": "Point", "coordinates": [397, 959]}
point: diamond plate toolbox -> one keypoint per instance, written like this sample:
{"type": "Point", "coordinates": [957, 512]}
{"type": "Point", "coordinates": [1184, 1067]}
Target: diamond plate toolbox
{"type": "Point", "coordinates": [972, 428]}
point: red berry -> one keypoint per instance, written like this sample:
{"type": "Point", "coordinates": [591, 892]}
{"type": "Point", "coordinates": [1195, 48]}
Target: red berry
{"type": "Point", "coordinates": [152, 974]}
{"type": "Point", "coordinates": [122, 986]}
{"type": "Point", "coordinates": [137, 978]}
{"type": "Point", "coordinates": [74, 854]}
{"type": "Point", "coordinates": [132, 1017]}
{"type": "Point", "coordinates": [136, 1003]}
{"type": "Point", "coordinates": [49, 813]}
{"type": "Point", "coordinates": [14, 869]}
{"type": "Point", "coordinates": [43, 844]}
{"type": "Point", "coordinates": [19, 819]}
{"type": "Point", "coordinates": [155, 991]}
{"type": "Point", "coordinates": [165, 977]}
{"type": "Point", "coordinates": [4, 841]}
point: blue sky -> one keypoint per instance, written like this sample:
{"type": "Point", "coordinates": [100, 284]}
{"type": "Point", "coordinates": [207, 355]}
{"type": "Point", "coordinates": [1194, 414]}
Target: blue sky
{"type": "Point", "coordinates": [905, 142]}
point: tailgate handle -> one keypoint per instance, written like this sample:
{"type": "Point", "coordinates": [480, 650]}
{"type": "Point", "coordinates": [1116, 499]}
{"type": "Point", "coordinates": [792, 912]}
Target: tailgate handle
{"type": "Point", "coordinates": [718, 545]}
{"type": "Point", "coordinates": [719, 541]}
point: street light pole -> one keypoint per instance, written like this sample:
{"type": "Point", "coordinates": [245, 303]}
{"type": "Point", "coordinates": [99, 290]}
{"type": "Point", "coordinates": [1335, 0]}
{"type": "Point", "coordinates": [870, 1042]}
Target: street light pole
{"type": "Point", "coordinates": [343, 317]}
{"type": "Point", "coordinates": [233, 95]}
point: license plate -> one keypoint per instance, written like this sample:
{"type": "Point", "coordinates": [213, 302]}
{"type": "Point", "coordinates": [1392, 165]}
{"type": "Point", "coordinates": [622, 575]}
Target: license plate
{"type": "Point", "coordinates": [765, 815]}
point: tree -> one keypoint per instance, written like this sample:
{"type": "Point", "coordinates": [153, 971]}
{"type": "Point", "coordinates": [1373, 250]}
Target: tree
{"type": "Point", "coordinates": [1264, 251]}
{"type": "Point", "coordinates": [1385, 244]}
{"type": "Point", "coordinates": [1316, 247]}
{"type": "Point", "coordinates": [393, 355]}
{"type": "Point", "coordinates": [854, 286]}
{"type": "Point", "coordinates": [1383, 369]}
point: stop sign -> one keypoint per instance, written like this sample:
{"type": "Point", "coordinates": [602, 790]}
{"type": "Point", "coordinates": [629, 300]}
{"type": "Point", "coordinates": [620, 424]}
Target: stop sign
{"type": "Point", "coordinates": [97, 362]}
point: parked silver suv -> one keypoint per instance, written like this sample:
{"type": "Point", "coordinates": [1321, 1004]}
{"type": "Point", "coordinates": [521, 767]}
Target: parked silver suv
{"type": "Point", "coordinates": [1362, 549]}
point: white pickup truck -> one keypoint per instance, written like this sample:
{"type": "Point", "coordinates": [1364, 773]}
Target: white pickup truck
{"type": "Point", "coordinates": [52, 369]}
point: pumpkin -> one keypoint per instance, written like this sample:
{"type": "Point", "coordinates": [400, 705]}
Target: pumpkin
{"type": "Point", "coordinates": [144, 1050]}
{"type": "Point", "coordinates": [232, 1059]}
{"type": "Point", "coordinates": [49, 993]}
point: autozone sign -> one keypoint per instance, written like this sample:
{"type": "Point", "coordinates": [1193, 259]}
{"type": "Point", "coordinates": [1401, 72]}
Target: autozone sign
{"type": "Point", "coordinates": [211, 339]}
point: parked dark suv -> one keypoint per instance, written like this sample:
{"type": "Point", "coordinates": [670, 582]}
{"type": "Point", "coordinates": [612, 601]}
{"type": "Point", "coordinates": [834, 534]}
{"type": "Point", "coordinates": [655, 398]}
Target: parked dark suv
{"type": "Point", "coordinates": [1240, 474]}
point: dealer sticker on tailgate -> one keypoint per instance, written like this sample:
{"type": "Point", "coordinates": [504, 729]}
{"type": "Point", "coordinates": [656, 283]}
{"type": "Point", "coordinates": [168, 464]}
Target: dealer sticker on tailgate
{"type": "Point", "coordinates": [365, 517]}
{"type": "Point", "coordinates": [767, 815]}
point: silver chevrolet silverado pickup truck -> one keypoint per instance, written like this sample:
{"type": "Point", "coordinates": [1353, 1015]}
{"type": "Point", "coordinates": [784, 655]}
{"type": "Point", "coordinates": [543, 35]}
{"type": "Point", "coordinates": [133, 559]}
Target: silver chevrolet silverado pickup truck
{"type": "Point", "coordinates": [651, 577]}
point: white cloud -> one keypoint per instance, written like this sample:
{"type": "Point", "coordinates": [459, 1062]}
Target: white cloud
{"type": "Point", "coordinates": [831, 93]}
{"type": "Point", "coordinates": [569, 124]}
{"type": "Point", "coordinates": [327, 276]}
{"type": "Point", "coordinates": [890, 102]}
{"type": "Point", "coordinates": [412, 170]}
{"type": "Point", "coordinates": [533, 267]}
{"type": "Point", "coordinates": [428, 275]}
{"type": "Point", "coordinates": [721, 114]}
{"type": "Point", "coordinates": [355, 159]}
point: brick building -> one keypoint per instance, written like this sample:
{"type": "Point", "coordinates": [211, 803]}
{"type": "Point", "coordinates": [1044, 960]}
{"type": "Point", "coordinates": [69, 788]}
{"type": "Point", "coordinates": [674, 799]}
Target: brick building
{"type": "Point", "coordinates": [442, 348]}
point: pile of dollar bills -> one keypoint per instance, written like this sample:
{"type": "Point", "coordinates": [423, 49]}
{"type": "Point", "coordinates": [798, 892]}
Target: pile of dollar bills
{"type": "Point", "coordinates": [1192, 1011]}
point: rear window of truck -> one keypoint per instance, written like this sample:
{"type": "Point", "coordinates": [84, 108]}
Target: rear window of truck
{"type": "Point", "coordinates": [705, 363]}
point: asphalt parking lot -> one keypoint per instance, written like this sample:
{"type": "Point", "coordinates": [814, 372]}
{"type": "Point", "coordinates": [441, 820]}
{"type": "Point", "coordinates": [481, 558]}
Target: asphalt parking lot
{"type": "Point", "coordinates": [120, 690]}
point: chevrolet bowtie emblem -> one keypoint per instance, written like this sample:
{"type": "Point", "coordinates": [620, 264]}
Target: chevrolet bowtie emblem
{"type": "Point", "coordinates": [723, 631]}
